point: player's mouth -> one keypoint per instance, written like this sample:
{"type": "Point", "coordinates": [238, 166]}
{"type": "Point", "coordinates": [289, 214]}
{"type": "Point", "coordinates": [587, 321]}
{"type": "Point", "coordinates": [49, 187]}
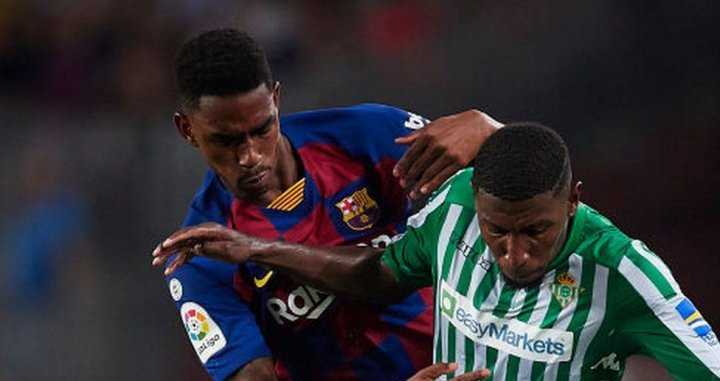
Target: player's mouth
{"type": "Point", "coordinates": [254, 180]}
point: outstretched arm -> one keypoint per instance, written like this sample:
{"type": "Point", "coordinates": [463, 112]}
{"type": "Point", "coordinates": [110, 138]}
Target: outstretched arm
{"type": "Point", "coordinates": [350, 270]}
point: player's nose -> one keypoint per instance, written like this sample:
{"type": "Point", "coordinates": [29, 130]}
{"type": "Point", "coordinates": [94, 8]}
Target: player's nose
{"type": "Point", "coordinates": [249, 155]}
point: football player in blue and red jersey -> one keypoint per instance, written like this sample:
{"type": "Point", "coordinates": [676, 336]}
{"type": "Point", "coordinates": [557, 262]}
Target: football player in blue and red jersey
{"type": "Point", "coordinates": [326, 177]}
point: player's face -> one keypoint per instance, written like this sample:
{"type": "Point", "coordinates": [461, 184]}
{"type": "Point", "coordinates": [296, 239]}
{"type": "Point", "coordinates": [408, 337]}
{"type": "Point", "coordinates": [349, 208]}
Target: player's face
{"type": "Point", "coordinates": [524, 236]}
{"type": "Point", "coordinates": [238, 136]}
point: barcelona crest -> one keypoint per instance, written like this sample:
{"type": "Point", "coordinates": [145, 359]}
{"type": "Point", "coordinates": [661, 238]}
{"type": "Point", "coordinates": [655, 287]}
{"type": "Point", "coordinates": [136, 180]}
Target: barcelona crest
{"type": "Point", "coordinates": [359, 210]}
{"type": "Point", "coordinates": [564, 289]}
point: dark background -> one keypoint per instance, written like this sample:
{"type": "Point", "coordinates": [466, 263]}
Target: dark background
{"type": "Point", "coordinates": [94, 175]}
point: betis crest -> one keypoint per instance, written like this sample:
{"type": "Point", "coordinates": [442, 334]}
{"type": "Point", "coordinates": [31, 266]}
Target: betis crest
{"type": "Point", "coordinates": [564, 289]}
{"type": "Point", "coordinates": [359, 210]}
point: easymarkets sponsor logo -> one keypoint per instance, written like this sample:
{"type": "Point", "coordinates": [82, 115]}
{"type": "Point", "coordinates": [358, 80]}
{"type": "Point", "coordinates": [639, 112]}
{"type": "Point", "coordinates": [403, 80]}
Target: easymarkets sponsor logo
{"type": "Point", "coordinates": [509, 335]}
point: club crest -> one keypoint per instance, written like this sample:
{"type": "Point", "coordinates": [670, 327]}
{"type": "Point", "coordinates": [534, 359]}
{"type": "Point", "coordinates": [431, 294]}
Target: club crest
{"type": "Point", "coordinates": [359, 210]}
{"type": "Point", "coordinates": [564, 289]}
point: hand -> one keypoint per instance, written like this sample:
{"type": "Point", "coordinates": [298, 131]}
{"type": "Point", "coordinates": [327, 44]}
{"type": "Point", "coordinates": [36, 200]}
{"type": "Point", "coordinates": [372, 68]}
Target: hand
{"type": "Point", "coordinates": [436, 370]}
{"type": "Point", "coordinates": [440, 149]}
{"type": "Point", "coordinates": [208, 239]}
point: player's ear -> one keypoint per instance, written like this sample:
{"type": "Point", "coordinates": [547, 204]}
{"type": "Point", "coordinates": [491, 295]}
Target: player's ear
{"type": "Point", "coordinates": [276, 94]}
{"type": "Point", "coordinates": [182, 123]}
{"type": "Point", "coordinates": [574, 198]}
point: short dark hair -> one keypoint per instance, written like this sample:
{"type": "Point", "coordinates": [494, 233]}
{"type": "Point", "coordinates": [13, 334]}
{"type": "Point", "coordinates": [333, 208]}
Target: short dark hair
{"type": "Point", "coordinates": [522, 160]}
{"type": "Point", "coordinates": [220, 62]}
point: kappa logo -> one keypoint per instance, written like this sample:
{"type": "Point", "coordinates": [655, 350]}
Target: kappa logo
{"type": "Point", "coordinates": [564, 289]}
{"type": "Point", "coordinates": [304, 301]}
{"type": "Point", "coordinates": [608, 362]}
{"type": "Point", "coordinates": [359, 210]}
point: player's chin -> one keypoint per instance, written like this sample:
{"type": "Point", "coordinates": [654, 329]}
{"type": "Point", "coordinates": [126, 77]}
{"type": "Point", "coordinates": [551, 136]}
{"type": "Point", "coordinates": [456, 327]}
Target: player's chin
{"type": "Point", "coordinates": [526, 280]}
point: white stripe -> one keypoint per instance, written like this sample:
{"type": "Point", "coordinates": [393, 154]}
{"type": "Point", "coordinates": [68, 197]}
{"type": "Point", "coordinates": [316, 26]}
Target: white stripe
{"type": "Point", "coordinates": [477, 276]}
{"type": "Point", "coordinates": [516, 305]}
{"type": "Point", "coordinates": [441, 329]}
{"type": "Point", "coordinates": [594, 320]}
{"type": "Point", "coordinates": [536, 318]}
{"type": "Point", "coordinates": [417, 219]}
{"type": "Point", "coordinates": [657, 262]}
{"type": "Point", "coordinates": [471, 235]}
{"type": "Point", "coordinates": [566, 314]}
{"type": "Point", "coordinates": [666, 313]}
{"type": "Point", "coordinates": [488, 305]}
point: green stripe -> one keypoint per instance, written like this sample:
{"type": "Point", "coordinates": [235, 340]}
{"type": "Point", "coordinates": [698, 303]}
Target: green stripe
{"type": "Point", "coordinates": [456, 234]}
{"type": "Point", "coordinates": [587, 279]}
{"type": "Point", "coordinates": [652, 273]}
{"type": "Point", "coordinates": [491, 355]}
{"type": "Point", "coordinates": [538, 371]}
{"type": "Point", "coordinates": [531, 299]}
{"type": "Point", "coordinates": [486, 285]}
{"type": "Point", "coordinates": [513, 365]}
{"type": "Point", "coordinates": [469, 355]}
{"type": "Point", "coordinates": [503, 304]}
{"type": "Point", "coordinates": [451, 343]}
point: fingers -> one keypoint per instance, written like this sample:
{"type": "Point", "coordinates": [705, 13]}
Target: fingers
{"type": "Point", "coordinates": [189, 236]}
{"type": "Point", "coordinates": [409, 157]}
{"type": "Point", "coordinates": [432, 178]}
{"type": "Point", "coordinates": [434, 371]}
{"type": "Point", "coordinates": [407, 139]}
{"type": "Point", "coordinates": [429, 156]}
{"type": "Point", "coordinates": [182, 257]}
{"type": "Point", "coordinates": [473, 376]}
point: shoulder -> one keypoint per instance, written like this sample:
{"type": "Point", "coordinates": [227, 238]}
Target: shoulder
{"type": "Point", "coordinates": [211, 202]}
{"type": "Point", "coordinates": [455, 191]}
{"type": "Point", "coordinates": [458, 189]}
{"type": "Point", "coordinates": [630, 259]}
{"type": "Point", "coordinates": [372, 122]}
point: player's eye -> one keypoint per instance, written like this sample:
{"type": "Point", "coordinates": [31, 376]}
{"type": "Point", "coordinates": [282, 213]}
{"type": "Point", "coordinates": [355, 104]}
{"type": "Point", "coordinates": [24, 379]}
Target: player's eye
{"type": "Point", "coordinates": [224, 141]}
{"type": "Point", "coordinates": [496, 230]}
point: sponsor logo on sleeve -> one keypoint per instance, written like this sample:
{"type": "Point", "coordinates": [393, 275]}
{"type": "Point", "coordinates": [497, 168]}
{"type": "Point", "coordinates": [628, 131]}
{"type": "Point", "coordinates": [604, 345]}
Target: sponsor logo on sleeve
{"type": "Point", "coordinates": [176, 289]}
{"type": "Point", "coordinates": [509, 335]}
{"type": "Point", "coordinates": [698, 324]}
{"type": "Point", "coordinates": [359, 210]}
{"type": "Point", "coordinates": [204, 333]}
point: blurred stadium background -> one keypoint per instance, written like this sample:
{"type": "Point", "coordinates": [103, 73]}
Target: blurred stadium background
{"type": "Point", "coordinates": [93, 173]}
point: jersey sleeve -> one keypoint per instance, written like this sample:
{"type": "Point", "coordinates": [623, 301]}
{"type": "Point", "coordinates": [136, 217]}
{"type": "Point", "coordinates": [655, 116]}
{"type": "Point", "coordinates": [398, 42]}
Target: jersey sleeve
{"type": "Point", "coordinates": [661, 322]}
{"type": "Point", "coordinates": [411, 255]}
{"type": "Point", "coordinates": [220, 326]}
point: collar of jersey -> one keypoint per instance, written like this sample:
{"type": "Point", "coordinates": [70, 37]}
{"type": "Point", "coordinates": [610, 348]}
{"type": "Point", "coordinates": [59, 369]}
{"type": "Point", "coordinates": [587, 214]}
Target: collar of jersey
{"type": "Point", "coordinates": [290, 198]}
{"type": "Point", "coordinates": [574, 237]}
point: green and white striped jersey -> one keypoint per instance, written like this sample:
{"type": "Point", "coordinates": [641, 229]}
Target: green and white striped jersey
{"type": "Point", "coordinates": [604, 297]}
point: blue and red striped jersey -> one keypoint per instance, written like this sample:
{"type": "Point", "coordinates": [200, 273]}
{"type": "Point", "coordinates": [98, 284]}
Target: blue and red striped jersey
{"type": "Point", "coordinates": [234, 314]}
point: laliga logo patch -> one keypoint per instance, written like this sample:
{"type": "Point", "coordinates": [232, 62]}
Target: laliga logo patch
{"type": "Point", "coordinates": [359, 210]}
{"type": "Point", "coordinates": [205, 335]}
{"type": "Point", "coordinates": [564, 289]}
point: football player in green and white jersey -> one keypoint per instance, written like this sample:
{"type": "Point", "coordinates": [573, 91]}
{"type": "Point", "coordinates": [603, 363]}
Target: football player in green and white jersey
{"type": "Point", "coordinates": [529, 282]}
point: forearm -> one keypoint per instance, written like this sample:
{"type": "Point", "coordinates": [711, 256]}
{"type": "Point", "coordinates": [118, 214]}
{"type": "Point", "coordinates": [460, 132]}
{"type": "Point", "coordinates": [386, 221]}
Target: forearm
{"type": "Point", "coordinates": [260, 369]}
{"type": "Point", "coordinates": [350, 270]}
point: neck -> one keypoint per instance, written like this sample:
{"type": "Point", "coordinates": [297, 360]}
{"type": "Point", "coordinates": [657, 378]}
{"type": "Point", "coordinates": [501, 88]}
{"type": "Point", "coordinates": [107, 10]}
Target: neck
{"type": "Point", "coordinates": [287, 170]}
